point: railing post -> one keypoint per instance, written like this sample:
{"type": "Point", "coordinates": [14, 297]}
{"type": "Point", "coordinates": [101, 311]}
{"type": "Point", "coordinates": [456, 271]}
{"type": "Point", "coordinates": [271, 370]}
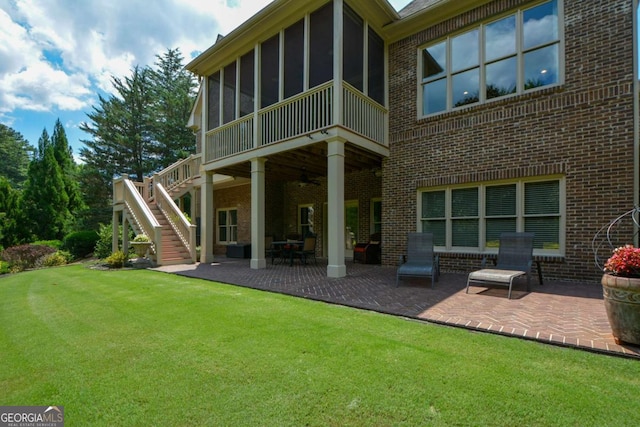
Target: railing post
{"type": "Point", "coordinates": [157, 231]}
{"type": "Point", "coordinates": [192, 243]}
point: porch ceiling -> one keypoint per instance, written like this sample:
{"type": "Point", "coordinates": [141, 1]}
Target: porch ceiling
{"type": "Point", "coordinates": [311, 159]}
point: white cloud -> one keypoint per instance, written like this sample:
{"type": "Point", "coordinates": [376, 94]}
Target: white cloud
{"type": "Point", "coordinates": [57, 54]}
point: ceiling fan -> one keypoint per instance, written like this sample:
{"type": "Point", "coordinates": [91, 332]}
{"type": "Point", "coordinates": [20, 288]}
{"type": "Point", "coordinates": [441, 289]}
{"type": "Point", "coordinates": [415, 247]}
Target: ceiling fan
{"type": "Point", "coordinates": [305, 180]}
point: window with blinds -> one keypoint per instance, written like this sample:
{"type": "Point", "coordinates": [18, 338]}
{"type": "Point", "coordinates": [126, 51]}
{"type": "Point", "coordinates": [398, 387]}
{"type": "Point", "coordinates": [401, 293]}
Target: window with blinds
{"type": "Point", "coordinates": [472, 218]}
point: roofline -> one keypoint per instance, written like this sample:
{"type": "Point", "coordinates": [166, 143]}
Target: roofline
{"type": "Point", "coordinates": [430, 15]}
{"type": "Point", "coordinates": [276, 14]}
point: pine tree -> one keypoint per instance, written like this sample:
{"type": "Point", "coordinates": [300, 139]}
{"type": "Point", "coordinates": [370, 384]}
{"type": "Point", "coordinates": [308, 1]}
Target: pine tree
{"type": "Point", "coordinates": [64, 156]}
{"type": "Point", "coordinates": [174, 91]}
{"type": "Point", "coordinates": [9, 214]}
{"type": "Point", "coordinates": [143, 128]}
{"type": "Point", "coordinates": [45, 200]}
{"type": "Point", "coordinates": [122, 130]}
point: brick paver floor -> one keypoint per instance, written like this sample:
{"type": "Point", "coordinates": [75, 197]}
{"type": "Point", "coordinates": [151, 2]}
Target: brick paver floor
{"type": "Point", "coordinates": [560, 313]}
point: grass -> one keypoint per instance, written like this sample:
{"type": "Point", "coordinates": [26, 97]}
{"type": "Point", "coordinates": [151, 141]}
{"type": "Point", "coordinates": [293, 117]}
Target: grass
{"type": "Point", "coordinates": [146, 348]}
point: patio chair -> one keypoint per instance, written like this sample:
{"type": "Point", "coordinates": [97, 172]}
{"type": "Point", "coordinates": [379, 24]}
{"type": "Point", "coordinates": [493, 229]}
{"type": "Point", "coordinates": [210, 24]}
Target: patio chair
{"type": "Point", "coordinates": [515, 256]}
{"type": "Point", "coordinates": [307, 249]}
{"type": "Point", "coordinates": [368, 253]}
{"type": "Point", "coordinates": [270, 250]}
{"type": "Point", "coordinates": [420, 260]}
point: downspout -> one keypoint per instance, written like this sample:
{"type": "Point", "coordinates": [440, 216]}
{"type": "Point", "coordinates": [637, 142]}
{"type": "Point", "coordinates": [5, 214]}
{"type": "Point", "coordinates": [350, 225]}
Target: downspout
{"type": "Point", "coordinates": [636, 116]}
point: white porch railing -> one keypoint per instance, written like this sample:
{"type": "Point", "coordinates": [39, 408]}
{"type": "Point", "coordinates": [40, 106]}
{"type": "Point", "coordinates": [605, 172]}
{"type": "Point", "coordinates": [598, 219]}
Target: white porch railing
{"type": "Point", "coordinates": [299, 115]}
{"type": "Point", "coordinates": [179, 173]}
{"type": "Point", "coordinates": [364, 116]}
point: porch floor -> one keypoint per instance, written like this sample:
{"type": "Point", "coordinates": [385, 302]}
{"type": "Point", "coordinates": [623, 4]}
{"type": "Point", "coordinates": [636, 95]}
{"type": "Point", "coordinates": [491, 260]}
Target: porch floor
{"type": "Point", "coordinates": [567, 314]}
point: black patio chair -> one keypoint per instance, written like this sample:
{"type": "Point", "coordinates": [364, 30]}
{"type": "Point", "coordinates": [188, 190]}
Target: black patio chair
{"type": "Point", "coordinates": [420, 260]}
{"type": "Point", "coordinates": [308, 249]}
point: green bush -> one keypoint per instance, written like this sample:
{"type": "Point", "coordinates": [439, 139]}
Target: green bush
{"type": "Point", "coordinates": [116, 259]}
{"type": "Point", "coordinates": [55, 259]}
{"type": "Point", "coordinates": [80, 243]}
{"type": "Point", "coordinates": [103, 245]}
{"type": "Point", "coordinates": [4, 267]}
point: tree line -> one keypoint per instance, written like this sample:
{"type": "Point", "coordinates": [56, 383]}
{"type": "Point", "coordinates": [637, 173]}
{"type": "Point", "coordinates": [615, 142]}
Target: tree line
{"type": "Point", "coordinates": [140, 129]}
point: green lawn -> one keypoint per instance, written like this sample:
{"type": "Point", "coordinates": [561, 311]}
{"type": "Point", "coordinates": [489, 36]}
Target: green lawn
{"type": "Point", "coordinates": [145, 348]}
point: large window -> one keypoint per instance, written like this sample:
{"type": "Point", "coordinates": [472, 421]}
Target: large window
{"type": "Point", "coordinates": [227, 226]}
{"type": "Point", "coordinates": [472, 218]}
{"type": "Point", "coordinates": [512, 54]}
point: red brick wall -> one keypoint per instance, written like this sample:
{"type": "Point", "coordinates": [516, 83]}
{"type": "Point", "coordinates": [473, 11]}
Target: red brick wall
{"type": "Point", "coordinates": [235, 197]}
{"type": "Point", "coordinates": [582, 129]}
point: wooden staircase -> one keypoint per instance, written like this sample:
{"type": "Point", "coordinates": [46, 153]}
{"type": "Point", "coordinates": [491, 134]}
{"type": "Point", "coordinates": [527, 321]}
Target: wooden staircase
{"type": "Point", "coordinates": [150, 209]}
{"type": "Point", "coordinates": [173, 250]}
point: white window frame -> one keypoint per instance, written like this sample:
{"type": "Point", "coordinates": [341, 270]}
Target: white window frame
{"type": "Point", "coordinates": [311, 224]}
{"type": "Point", "coordinates": [372, 222]}
{"type": "Point", "coordinates": [229, 227]}
{"type": "Point", "coordinates": [520, 52]}
{"type": "Point", "coordinates": [520, 214]}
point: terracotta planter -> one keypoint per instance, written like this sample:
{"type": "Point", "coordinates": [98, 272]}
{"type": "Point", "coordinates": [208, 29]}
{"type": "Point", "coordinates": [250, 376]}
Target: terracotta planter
{"type": "Point", "coordinates": [622, 302]}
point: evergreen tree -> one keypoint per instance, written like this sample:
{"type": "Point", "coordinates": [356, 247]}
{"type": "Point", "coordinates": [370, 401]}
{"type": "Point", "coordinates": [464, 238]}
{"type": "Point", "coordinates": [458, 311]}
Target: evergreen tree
{"type": "Point", "coordinates": [45, 201]}
{"type": "Point", "coordinates": [143, 128]}
{"type": "Point", "coordinates": [64, 156]}
{"type": "Point", "coordinates": [14, 152]}
{"type": "Point", "coordinates": [174, 91]}
{"type": "Point", "coordinates": [96, 194]}
{"type": "Point", "coordinates": [9, 214]}
{"type": "Point", "coordinates": [122, 130]}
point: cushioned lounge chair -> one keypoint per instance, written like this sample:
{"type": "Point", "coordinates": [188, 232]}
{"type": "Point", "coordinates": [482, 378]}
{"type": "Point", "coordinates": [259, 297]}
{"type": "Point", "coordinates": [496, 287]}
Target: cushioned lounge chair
{"type": "Point", "coordinates": [515, 256]}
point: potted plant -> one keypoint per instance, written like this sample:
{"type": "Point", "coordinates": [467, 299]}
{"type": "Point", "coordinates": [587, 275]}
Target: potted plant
{"type": "Point", "coordinates": [141, 244]}
{"type": "Point", "coordinates": [621, 291]}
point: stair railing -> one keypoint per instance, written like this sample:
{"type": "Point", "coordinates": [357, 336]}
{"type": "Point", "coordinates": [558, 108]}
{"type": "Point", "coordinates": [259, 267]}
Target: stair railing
{"type": "Point", "coordinates": [179, 173]}
{"type": "Point", "coordinates": [182, 227]}
{"type": "Point", "coordinates": [128, 193]}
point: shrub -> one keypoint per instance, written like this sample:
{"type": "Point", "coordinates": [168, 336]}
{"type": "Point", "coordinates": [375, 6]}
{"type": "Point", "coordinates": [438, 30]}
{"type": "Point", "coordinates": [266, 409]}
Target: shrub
{"type": "Point", "coordinates": [55, 259]}
{"type": "Point", "coordinates": [55, 244]}
{"type": "Point", "coordinates": [116, 259]}
{"type": "Point", "coordinates": [80, 243]}
{"type": "Point", "coordinates": [103, 245]}
{"type": "Point", "coordinates": [141, 238]}
{"type": "Point", "coordinates": [25, 256]}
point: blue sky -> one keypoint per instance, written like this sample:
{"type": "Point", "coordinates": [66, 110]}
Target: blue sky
{"type": "Point", "coordinates": [56, 56]}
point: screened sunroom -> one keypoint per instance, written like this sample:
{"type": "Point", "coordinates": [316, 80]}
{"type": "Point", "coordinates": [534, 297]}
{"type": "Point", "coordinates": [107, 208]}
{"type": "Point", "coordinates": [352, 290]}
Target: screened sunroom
{"type": "Point", "coordinates": [298, 88]}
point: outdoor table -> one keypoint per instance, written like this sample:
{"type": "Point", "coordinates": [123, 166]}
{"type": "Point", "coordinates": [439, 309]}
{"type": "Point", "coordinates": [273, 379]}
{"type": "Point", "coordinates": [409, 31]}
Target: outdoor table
{"type": "Point", "coordinates": [282, 246]}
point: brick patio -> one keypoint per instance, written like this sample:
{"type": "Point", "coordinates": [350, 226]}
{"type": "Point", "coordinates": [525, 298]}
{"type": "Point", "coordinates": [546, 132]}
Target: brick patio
{"type": "Point", "coordinates": [560, 313]}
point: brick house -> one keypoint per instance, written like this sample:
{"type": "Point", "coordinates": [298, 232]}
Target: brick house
{"type": "Point", "coordinates": [464, 118]}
